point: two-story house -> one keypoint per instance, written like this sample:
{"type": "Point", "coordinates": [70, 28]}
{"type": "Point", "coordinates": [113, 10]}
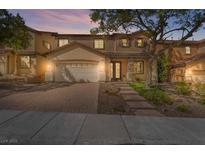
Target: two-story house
{"type": "Point", "coordinates": [91, 58]}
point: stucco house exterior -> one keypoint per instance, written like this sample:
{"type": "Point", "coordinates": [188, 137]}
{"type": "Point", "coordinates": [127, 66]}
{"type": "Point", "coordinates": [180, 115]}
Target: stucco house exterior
{"type": "Point", "coordinates": [90, 58]}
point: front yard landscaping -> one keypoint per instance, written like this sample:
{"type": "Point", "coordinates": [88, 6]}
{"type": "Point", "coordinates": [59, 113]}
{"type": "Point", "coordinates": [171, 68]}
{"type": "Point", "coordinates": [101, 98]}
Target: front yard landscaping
{"type": "Point", "coordinates": [110, 101]}
{"type": "Point", "coordinates": [179, 99]}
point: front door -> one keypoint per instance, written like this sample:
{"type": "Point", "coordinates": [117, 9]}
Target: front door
{"type": "Point", "coordinates": [115, 71]}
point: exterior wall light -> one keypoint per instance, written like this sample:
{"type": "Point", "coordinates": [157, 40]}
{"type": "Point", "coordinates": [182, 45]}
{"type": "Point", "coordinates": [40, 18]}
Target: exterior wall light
{"type": "Point", "coordinates": [49, 67]}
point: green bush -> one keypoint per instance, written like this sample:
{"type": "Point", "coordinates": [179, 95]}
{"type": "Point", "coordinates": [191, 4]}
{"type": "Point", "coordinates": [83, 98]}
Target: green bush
{"type": "Point", "coordinates": [200, 88]}
{"type": "Point", "coordinates": [162, 68]}
{"type": "Point", "coordinates": [138, 85]}
{"type": "Point", "coordinates": [183, 88]}
{"type": "Point", "coordinates": [183, 108]}
{"type": "Point", "coordinates": [154, 94]}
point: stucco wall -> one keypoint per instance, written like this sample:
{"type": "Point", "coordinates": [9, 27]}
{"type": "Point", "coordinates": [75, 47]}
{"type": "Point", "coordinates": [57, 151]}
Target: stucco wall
{"type": "Point", "coordinates": [40, 37]}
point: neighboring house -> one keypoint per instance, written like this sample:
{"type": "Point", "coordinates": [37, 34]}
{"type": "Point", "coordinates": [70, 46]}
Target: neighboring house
{"type": "Point", "coordinates": [187, 62]}
{"type": "Point", "coordinates": [90, 58]}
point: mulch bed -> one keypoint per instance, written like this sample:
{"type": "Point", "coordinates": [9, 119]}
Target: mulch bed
{"type": "Point", "coordinates": [110, 102]}
{"type": "Point", "coordinates": [195, 109]}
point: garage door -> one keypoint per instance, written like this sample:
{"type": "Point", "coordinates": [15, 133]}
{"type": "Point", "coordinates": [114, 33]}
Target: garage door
{"type": "Point", "coordinates": [76, 72]}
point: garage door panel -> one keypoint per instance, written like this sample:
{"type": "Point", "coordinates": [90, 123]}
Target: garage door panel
{"type": "Point", "coordinates": [77, 73]}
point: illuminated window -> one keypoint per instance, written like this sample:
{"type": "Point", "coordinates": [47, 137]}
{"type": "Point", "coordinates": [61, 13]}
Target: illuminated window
{"type": "Point", "coordinates": [25, 61]}
{"type": "Point", "coordinates": [125, 43]}
{"type": "Point", "coordinates": [47, 45]}
{"type": "Point", "coordinates": [62, 42]}
{"type": "Point", "coordinates": [188, 50]}
{"type": "Point", "coordinates": [139, 67]}
{"type": "Point", "coordinates": [99, 44]}
{"type": "Point", "coordinates": [140, 43]}
{"type": "Point", "coordinates": [117, 70]}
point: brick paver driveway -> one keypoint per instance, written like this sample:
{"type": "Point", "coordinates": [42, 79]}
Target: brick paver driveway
{"type": "Point", "coordinates": [80, 97]}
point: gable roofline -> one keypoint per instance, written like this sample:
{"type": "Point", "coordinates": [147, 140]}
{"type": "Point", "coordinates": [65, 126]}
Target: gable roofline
{"type": "Point", "coordinates": [70, 47]}
{"type": "Point", "coordinates": [40, 31]}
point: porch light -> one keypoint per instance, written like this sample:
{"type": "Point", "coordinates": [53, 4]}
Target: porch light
{"type": "Point", "coordinates": [189, 72]}
{"type": "Point", "coordinates": [49, 67]}
{"type": "Point", "coordinates": [101, 66]}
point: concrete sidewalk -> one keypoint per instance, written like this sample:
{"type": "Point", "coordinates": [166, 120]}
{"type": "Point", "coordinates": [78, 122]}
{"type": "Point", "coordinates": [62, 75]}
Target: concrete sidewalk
{"type": "Point", "coordinates": [20, 127]}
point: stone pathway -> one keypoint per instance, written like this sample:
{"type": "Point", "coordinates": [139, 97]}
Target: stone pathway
{"type": "Point", "coordinates": [134, 101]}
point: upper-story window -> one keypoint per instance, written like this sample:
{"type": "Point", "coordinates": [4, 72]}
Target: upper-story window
{"type": "Point", "coordinates": [140, 42]}
{"type": "Point", "coordinates": [47, 45]}
{"type": "Point", "coordinates": [188, 50]}
{"type": "Point", "coordinates": [125, 42]}
{"type": "Point", "coordinates": [62, 42]}
{"type": "Point", "coordinates": [99, 44]}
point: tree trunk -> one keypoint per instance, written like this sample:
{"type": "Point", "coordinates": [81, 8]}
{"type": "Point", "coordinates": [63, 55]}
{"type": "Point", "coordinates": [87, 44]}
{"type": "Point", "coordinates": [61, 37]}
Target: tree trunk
{"type": "Point", "coordinates": [151, 69]}
{"type": "Point", "coordinates": [149, 73]}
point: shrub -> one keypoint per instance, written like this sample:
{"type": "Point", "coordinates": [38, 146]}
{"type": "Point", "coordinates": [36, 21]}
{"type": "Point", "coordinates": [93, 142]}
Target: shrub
{"type": "Point", "coordinates": [162, 67]}
{"type": "Point", "coordinates": [200, 88]}
{"type": "Point", "coordinates": [183, 108]}
{"type": "Point", "coordinates": [138, 85]}
{"type": "Point", "coordinates": [202, 101]}
{"type": "Point", "coordinates": [183, 88]}
{"type": "Point", "coordinates": [153, 94]}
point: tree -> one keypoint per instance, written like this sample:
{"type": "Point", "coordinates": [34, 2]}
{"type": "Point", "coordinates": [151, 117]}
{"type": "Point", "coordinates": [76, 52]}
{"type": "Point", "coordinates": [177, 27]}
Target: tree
{"type": "Point", "coordinates": [14, 32]}
{"type": "Point", "coordinates": [159, 25]}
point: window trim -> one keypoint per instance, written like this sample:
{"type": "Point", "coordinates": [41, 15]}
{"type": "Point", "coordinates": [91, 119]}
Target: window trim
{"type": "Point", "coordinates": [129, 43]}
{"type": "Point", "coordinates": [23, 67]}
{"type": "Point", "coordinates": [136, 42]}
{"type": "Point", "coordinates": [142, 67]}
{"type": "Point", "coordinates": [99, 39]}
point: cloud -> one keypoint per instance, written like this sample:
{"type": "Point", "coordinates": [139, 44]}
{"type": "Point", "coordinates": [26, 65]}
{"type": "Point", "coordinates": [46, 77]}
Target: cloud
{"type": "Point", "coordinates": [69, 16]}
{"type": "Point", "coordinates": [62, 21]}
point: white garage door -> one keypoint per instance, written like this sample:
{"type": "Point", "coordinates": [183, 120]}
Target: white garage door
{"type": "Point", "coordinates": [76, 72]}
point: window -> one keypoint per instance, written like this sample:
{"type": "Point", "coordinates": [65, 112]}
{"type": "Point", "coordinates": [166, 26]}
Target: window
{"type": "Point", "coordinates": [139, 67]}
{"type": "Point", "coordinates": [99, 44]}
{"type": "Point", "coordinates": [188, 50]}
{"type": "Point", "coordinates": [140, 43]}
{"type": "Point", "coordinates": [62, 42]}
{"type": "Point", "coordinates": [25, 61]}
{"type": "Point", "coordinates": [47, 45]}
{"type": "Point", "coordinates": [125, 42]}
{"type": "Point", "coordinates": [117, 70]}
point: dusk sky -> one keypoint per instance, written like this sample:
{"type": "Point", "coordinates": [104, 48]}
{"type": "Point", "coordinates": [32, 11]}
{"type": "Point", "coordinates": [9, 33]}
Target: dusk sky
{"type": "Point", "coordinates": [66, 21]}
